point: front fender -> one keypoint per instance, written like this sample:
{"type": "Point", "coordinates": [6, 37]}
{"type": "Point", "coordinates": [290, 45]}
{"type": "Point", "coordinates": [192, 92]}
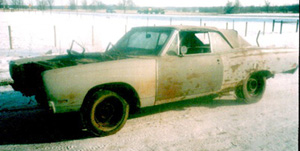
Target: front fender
{"type": "Point", "coordinates": [67, 87]}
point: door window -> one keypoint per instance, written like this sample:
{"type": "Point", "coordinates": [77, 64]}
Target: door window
{"type": "Point", "coordinates": [196, 42]}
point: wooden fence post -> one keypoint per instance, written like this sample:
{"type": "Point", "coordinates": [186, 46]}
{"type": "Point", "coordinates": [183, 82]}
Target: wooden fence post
{"type": "Point", "coordinates": [246, 29]}
{"type": "Point", "coordinates": [126, 24]}
{"type": "Point", "coordinates": [92, 35]}
{"type": "Point", "coordinates": [264, 27]}
{"type": "Point", "coordinates": [10, 38]}
{"type": "Point", "coordinates": [273, 25]}
{"type": "Point", "coordinates": [147, 21]}
{"type": "Point", "coordinates": [297, 25]}
{"type": "Point", "coordinates": [281, 23]}
{"type": "Point", "coordinates": [232, 24]}
{"type": "Point", "coordinates": [54, 36]}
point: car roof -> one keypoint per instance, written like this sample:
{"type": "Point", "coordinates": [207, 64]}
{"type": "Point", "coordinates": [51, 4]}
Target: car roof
{"type": "Point", "coordinates": [230, 35]}
{"type": "Point", "coordinates": [180, 27]}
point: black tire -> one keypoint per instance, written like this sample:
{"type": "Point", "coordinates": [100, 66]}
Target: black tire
{"type": "Point", "coordinates": [252, 89]}
{"type": "Point", "coordinates": [104, 113]}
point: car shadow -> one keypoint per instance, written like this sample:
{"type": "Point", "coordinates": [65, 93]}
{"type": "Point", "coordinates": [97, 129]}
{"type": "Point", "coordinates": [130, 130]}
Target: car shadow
{"type": "Point", "coordinates": [39, 126]}
{"type": "Point", "coordinates": [207, 101]}
{"type": "Point", "coordinates": [30, 126]}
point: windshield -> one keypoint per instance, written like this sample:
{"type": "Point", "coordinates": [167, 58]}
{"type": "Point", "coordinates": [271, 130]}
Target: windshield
{"type": "Point", "coordinates": [143, 41]}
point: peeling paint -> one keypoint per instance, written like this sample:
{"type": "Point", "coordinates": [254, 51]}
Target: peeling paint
{"type": "Point", "coordinates": [234, 67]}
{"type": "Point", "coordinates": [192, 76]}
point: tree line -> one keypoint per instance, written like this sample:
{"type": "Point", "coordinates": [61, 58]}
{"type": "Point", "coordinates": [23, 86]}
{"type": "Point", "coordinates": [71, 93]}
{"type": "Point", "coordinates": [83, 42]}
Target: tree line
{"type": "Point", "coordinates": [229, 8]}
{"type": "Point", "coordinates": [73, 4]}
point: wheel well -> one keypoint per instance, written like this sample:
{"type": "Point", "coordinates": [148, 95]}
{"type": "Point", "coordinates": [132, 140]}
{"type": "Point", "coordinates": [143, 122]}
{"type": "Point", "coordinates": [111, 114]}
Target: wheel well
{"type": "Point", "coordinates": [264, 73]}
{"type": "Point", "coordinates": [122, 89]}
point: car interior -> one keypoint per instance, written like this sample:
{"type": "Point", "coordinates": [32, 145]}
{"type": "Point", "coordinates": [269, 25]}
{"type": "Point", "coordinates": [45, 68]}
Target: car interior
{"type": "Point", "coordinates": [195, 42]}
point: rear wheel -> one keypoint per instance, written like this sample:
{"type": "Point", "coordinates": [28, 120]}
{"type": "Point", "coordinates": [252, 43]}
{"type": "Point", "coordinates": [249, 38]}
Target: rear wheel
{"type": "Point", "coordinates": [105, 113]}
{"type": "Point", "coordinates": [252, 89]}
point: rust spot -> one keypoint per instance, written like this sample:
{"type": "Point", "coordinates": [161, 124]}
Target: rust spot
{"type": "Point", "coordinates": [192, 76]}
{"type": "Point", "coordinates": [294, 65]}
{"type": "Point", "coordinates": [234, 67]}
{"type": "Point", "coordinates": [211, 86]}
{"type": "Point", "coordinates": [71, 96]}
{"type": "Point", "coordinates": [227, 80]}
{"type": "Point", "coordinates": [172, 90]}
{"type": "Point", "coordinates": [169, 79]}
{"type": "Point", "coordinates": [146, 86]}
{"type": "Point", "coordinates": [62, 101]}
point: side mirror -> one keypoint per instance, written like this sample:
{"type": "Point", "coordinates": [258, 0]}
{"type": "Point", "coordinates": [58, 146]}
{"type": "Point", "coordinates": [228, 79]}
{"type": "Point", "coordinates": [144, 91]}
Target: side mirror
{"type": "Point", "coordinates": [183, 50]}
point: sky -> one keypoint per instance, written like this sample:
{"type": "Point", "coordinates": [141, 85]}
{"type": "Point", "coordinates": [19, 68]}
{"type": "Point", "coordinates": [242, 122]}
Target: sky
{"type": "Point", "coordinates": [182, 3]}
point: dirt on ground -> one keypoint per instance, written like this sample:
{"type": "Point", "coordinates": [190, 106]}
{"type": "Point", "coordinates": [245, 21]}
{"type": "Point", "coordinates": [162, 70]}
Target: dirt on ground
{"type": "Point", "coordinates": [198, 124]}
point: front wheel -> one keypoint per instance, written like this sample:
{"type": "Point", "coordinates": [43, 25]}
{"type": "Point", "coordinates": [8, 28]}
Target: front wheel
{"type": "Point", "coordinates": [105, 113]}
{"type": "Point", "coordinates": [252, 89]}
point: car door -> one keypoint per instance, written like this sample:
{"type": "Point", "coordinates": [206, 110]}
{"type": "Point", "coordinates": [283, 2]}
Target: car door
{"type": "Point", "coordinates": [181, 76]}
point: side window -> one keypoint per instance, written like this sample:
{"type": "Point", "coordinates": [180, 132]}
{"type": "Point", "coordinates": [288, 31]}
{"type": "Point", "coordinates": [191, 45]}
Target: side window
{"type": "Point", "coordinates": [218, 43]}
{"type": "Point", "coordinates": [162, 39]}
{"type": "Point", "coordinates": [173, 49]}
{"type": "Point", "coordinates": [195, 42]}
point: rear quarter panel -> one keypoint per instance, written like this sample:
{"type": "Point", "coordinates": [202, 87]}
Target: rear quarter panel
{"type": "Point", "coordinates": [238, 64]}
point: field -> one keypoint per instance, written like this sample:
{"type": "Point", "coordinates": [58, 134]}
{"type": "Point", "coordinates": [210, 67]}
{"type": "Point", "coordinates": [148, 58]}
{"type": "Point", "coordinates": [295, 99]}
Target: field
{"type": "Point", "coordinates": [198, 124]}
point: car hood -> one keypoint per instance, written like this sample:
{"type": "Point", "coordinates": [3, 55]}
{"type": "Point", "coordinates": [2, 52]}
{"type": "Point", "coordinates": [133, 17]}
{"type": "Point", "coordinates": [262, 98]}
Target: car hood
{"type": "Point", "coordinates": [59, 61]}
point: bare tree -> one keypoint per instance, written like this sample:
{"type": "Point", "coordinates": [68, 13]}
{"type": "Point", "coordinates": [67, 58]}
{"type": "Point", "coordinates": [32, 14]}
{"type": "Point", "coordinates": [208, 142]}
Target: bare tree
{"type": "Point", "coordinates": [30, 4]}
{"type": "Point", "coordinates": [41, 4]}
{"type": "Point", "coordinates": [124, 6]}
{"type": "Point", "coordinates": [267, 5]}
{"type": "Point", "coordinates": [97, 4]}
{"type": "Point", "coordinates": [232, 8]}
{"type": "Point", "coordinates": [84, 4]}
{"type": "Point", "coordinates": [228, 8]}
{"type": "Point", "coordinates": [17, 3]}
{"type": "Point", "coordinates": [130, 4]}
{"type": "Point", "coordinates": [127, 4]}
{"type": "Point", "coordinates": [50, 3]}
{"type": "Point", "coordinates": [237, 6]}
{"type": "Point", "coordinates": [73, 4]}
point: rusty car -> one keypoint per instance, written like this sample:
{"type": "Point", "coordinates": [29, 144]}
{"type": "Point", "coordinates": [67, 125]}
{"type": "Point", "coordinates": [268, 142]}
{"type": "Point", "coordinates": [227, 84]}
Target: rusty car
{"type": "Point", "coordinates": [150, 66]}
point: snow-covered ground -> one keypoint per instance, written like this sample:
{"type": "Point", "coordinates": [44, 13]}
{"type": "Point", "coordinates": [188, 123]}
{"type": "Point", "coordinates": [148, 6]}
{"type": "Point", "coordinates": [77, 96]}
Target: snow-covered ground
{"type": "Point", "coordinates": [33, 35]}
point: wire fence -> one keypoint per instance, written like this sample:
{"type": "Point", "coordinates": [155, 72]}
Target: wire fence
{"type": "Point", "coordinates": [55, 31]}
